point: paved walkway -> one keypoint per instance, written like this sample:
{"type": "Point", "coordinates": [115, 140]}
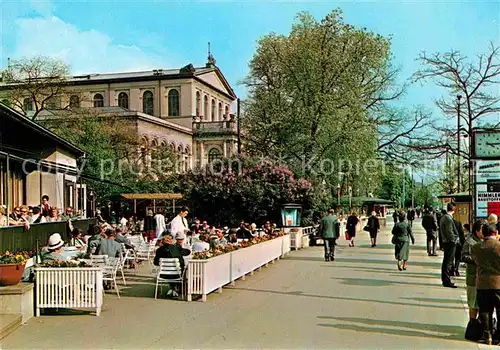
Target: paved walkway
{"type": "Point", "coordinates": [360, 301]}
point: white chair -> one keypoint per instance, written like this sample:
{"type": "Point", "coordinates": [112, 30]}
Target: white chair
{"type": "Point", "coordinates": [109, 272]}
{"type": "Point", "coordinates": [98, 260]}
{"type": "Point", "coordinates": [169, 267]}
{"type": "Point", "coordinates": [146, 252]}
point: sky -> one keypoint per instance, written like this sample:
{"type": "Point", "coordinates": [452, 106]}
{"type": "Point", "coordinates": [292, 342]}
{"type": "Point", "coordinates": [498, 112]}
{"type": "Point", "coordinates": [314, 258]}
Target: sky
{"type": "Point", "coordinates": [99, 36]}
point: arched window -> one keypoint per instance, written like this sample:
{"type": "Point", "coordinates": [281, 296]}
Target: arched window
{"type": "Point", "coordinates": [220, 111]}
{"type": "Point", "coordinates": [123, 100]}
{"type": "Point", "coordinates": [213, 154]}
{"type": "Point", "coordinates": [173, 103]}
{"type": "Point", "coordinates": [147, 102]}
{"type": "Point", "coordinates": [198, 102]}
{"type": "Point", "coordinates": [27, 104]}
{"type": "Point", "coordinates": [153, 149]}
{"type": "Point", "coordinates": [74, 101]}
{"type": "Point", "coordinates": [98, 100]}
{"type": "Point", "coordinates": [144, 148]}
{"type": "Point", "coordinates": [226, 114]}
{"type": "Point", "coordinates": [205, 108]}
{"type": "Point", "coordinates": [213, 115]}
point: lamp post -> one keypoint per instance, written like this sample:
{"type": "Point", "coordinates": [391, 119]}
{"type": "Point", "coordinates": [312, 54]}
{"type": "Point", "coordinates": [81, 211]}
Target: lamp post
{"type": "Point", "coordinates": [459, 97]}
{"type": "Point", "coordinates": [350, 197]}
{"type": "Point", "coordinates": [338, 195]}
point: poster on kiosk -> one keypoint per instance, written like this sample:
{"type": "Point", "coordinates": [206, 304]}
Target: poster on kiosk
{"type": "Point", "coordinates": [487, 188]}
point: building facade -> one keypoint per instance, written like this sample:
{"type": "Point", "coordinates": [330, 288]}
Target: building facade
{"type": "Point", "coordinates": [190, 109]}
{"type": "Point", "coordinates": [35, 162]}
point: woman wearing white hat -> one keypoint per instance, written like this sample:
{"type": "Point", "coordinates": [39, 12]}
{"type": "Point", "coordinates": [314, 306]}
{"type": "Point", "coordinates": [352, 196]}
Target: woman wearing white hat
{"type": "Point", "coordinates": [56, 252]}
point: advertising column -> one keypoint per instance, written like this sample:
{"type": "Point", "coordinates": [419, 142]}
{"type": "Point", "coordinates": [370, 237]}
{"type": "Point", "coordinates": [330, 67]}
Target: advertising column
{"type": "Point", "coordinates": [487, 188]}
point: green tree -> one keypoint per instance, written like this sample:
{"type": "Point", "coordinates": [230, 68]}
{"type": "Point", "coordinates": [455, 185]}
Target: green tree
{"type": "Point", "coordinates": [36, 84]}
{"type": "Point", "coordinates": [319, 93]}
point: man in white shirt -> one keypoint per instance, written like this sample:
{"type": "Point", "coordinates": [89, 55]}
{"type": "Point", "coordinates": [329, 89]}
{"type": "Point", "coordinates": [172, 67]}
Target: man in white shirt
{"type": "Point", "coordinates": [160, 224]}
{"type": "Point", "coordinates": [179, 223]}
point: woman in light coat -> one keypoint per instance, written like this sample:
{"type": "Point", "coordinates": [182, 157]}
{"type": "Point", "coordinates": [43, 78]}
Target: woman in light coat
{"type": "Point", "coordinates": [401, 239]}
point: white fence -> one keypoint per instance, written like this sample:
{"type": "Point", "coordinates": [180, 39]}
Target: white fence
{"type": "Point", "coordinates": [205, 276]}
{"type": "Point", "coordinates": [72, 287]}
{"type": "Point", "coordinates": [299, 237]}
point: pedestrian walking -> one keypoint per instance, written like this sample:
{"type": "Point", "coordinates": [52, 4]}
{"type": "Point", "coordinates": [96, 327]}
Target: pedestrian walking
{"type": "Point", "coordinates": [411, 216]}
{"type": "Point", "coordinates": [486, 255]}
{"type": "Point", "coordinates": [373, 228]}
{"type": "Point", "coordinates": [430, 226]}
{"type": "Point", "coordinates": [329, 233]}
{"type": "Point", "coordinates": [352, 223]}
{"type": "Point", "coordinates": [449, 237]}
{"type": "Point", "coordinates": [401, 237]}
{"type": "Point", "coordinates": [395, 216]}
{"type": "Point", "coordinates": [474, 329]}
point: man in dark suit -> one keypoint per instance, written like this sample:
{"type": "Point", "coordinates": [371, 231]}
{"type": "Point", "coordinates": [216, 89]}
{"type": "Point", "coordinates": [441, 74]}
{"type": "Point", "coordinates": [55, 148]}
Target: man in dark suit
{"type": "Point", "coordinates": [486, 255]}
{"type": "Point", "coordinates": [450, 239]}
{"type": "Point", "coordinates": [429, 223]}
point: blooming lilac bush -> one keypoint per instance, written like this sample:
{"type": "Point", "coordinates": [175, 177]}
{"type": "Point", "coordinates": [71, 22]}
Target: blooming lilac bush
{"type": "Point", "coordinates": [255, 192]}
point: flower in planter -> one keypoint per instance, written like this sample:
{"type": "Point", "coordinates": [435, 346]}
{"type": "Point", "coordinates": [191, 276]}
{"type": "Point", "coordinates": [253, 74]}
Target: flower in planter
{"type": "Point", "coordinates": [14, 257]}
{"type": "Point", "coordinates": [60, 263]}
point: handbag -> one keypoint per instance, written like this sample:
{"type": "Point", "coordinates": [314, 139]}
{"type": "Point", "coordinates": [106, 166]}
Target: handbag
{"type": "Point", "coordinates": [474, 330]}
{"type": "Point", "coordinates": [347, 237]}
{"type": "Point", "coordinates": [366, 228]}
{"type": "Point", "coordinates": [393, 240]}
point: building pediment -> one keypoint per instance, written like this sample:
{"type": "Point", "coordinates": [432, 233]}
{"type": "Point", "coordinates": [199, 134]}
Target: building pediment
{"type": "Point", "coordinates": [215, 78]}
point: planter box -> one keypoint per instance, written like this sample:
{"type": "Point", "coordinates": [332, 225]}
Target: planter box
{"type": "Point", "coordinates": [72, 287]}
{"type": "Point", "coordinates": [205, 276]}
{"type": "Point", "coordinates": [217, 268]}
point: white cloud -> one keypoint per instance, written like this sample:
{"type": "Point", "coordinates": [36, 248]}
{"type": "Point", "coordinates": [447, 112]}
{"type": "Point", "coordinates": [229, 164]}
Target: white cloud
{"type": "Point", "coordinates": [86, 51]}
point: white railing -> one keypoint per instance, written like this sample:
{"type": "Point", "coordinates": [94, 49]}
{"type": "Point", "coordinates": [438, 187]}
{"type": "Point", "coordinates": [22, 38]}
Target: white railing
{"type": "Point", "coordinates": [72, 287]}
{"type": "Point", "coordinates": [205, 276]}
{"type": "Point", "coordinates": [299, 236]}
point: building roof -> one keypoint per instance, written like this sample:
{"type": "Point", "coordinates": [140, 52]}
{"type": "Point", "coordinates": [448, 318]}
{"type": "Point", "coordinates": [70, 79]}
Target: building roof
{"type": "Point", "coordinates": [455, 195]}
{"type": "Point", "coordinates": [155, 196]}
{"type": "Point", "coordinates": [188, 71]}
{"type": "Point", "coordinates": [16, 116]}
{"type": "Point", "coordinates": [368, 200]}
{"type": "Point", "coordinates": [116, 112]}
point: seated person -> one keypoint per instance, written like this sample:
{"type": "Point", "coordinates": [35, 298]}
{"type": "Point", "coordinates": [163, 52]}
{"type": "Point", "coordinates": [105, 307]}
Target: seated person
{"type": "Point", "coordinates": [55, 250]}
{"type": "Point", "coordinates": [120, 238]}
{"type": "Point", "coordinates": [109, 246]}
{"type": "Point", "coordinates": [200, 244]}
{"type": "Point", "coordinates": [243, 232]}
{"type": "Point", "coordinates": [220, 241]}
{"type": "Point", "coordinates": [77, 240]}
{"type": "Point", "coordinates": [170, 250]}
{"type": "Point", "coordinates": [196, 228]}
{"type": "Point", "coordinates": [231, 236]}
{"type": "Point", "coordinates": [268, 230]}
{"type": "Point", "coordinates": [94, 241]}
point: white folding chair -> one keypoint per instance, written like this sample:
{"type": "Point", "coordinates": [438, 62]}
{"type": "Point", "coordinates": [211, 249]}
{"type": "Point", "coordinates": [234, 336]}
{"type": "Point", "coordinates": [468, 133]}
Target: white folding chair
{"type": "Point", "coordinates": [146, 252]}
{"type": "Point", "coordinates": [169, 267]}
{"type": "Point", "coordinates": [109, 272]}
{"type": "Point", "coordinates": [98, 260]}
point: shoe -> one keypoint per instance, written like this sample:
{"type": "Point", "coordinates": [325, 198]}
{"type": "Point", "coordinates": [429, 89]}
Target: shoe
{"type": "Point", "coordinates": [327, 259]}
{"type": "Point", "coordinates": [434, 254]}
{"type": "Point", "coordinates": [399, 266]}
{"type": "Point", "coordinates": [404, 268]}
{"type": "Point", "coordinates": [450, 285]}
{"type": "Point", "coordinates": [486, 339]}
